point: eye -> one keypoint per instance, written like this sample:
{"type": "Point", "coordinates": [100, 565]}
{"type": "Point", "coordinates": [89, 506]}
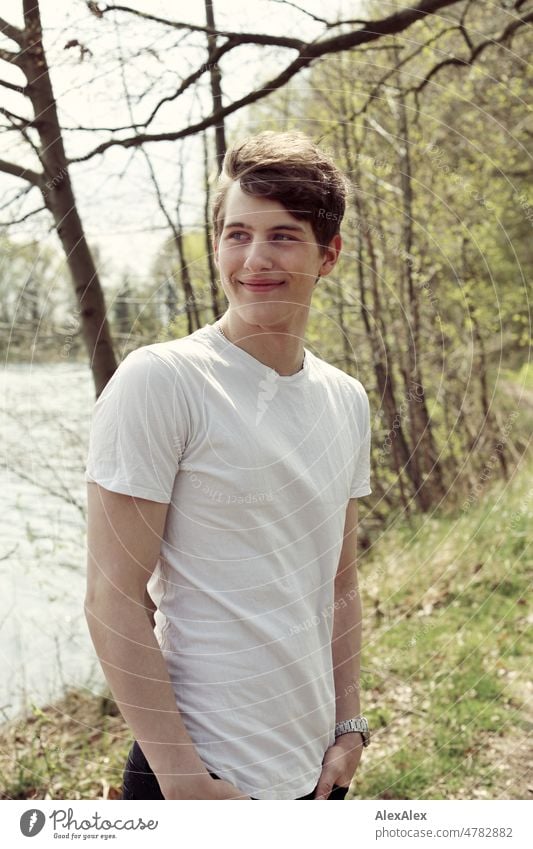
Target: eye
{"type": "Point", "coordinates": [236, 235]}
{"type": "Point", "coordinates": [284, 236]}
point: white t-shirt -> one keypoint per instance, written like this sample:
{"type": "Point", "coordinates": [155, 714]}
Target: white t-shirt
{"type": "Point", "coordinates": [257, 469]}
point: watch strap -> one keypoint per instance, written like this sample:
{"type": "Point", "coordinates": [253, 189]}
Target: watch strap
{"type": "Point", "coordinates": [358, 723]}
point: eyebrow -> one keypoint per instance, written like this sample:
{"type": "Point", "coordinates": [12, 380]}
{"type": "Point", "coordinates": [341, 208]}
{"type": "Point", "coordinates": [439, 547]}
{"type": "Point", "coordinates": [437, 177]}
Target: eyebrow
{"type": "Point", "coordinates": [293, 227]}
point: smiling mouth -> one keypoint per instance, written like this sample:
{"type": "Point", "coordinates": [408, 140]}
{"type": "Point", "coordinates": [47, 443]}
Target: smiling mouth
{"type": "Point", "coordinates": [267, 284]}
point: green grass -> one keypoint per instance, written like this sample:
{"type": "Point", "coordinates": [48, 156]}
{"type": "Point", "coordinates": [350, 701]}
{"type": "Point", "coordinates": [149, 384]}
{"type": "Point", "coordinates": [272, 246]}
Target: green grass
{"type": "Point", "coordinates": [74, 749]}
{"type": "Point", "coordinates": [446, 651]}
{"type": "Point", "coordinates": [447, 655]}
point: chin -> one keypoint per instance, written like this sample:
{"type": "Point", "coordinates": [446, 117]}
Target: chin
{"type": "Point", "coordinates": [261, 313]}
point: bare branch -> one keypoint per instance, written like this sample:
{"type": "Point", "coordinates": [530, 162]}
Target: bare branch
{"type": "Point", "coordinates": [63, 491]}
{"type": "Point", "coordinates": [466, 37]}
{"type": "Point", "coordinates": [392, 71]}
{"type": "Point", "coordinates": [148, 17]}
{"type": "Point", "coordinates": [215, 55]}
{"type": "Point", "coordinates": [249, 37]}
{"type": "Point", "coordinates": [462, 27]}
{"type": "Point", "coordinates": [8, 56]}
{"type": "Point", "coordinates": [6, 557]}
{"type": "Point", "coordinates": [306, 12]}
{"type": "Point", "coordinates": [12, 32]}
{"type": "Point", "coordinates": [188, 81]}
{"type": "Point", "coordinates": [193, 77]}
{"type": "Point", "coordinates": [22, 127]}
{"type": "Point", "coordinates": [23, 218]}
{"type": "Point", "coordinates": [9, 128]}
{"type": "Point", "coordinates": [509, 31]}
{"type": "Point", "coordinates": [394, 23]}
{"type": "Point", "coordinates": [24, 173]}
{"type": "Point", "coordinates": [23, 122]}
{"type": "Point", "coordinates": [20, 89]}
{"type": "Point", "coordinates": [20, 194]}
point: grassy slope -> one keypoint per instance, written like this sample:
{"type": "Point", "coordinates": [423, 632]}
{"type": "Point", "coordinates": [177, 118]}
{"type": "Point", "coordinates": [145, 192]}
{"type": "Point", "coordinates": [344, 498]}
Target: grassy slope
{"type": "Point", "coordinates": [446, 653]}
{"type": "Point", "coordinates": [444, 672]}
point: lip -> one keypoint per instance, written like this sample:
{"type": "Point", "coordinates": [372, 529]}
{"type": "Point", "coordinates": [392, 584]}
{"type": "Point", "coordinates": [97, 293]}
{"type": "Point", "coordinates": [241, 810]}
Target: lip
{"type": "Point", "coordinates": [260, 286]}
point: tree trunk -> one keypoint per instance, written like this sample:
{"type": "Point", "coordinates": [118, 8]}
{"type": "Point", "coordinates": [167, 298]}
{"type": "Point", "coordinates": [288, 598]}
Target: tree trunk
{"type": "Point", "coordinates": [121, 310]}
{"type": "Point", "coordinates": [217, 307]}
{"type": "Point", "coordinates": [424, 453]}
{"type": "Point", "coordinates": [59, 198]}
{"type": "Point", "coordinates": [216, 89]}
{"type": "Point", "coordinates": [488, 427]}
{"type": "Point", "coordinates": [171, 301]}
{"type": "Point", "coordinates": [191, 306]}
{"type": "Point", "coordinates": [401, 455]}
{"type": "Point", "coordinates": [338, 297]}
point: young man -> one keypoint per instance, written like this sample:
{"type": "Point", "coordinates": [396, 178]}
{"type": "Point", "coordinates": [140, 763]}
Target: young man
{"type": "Point", "coordinates": [223, 473]}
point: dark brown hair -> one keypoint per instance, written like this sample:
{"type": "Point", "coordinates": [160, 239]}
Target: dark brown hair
{"type": "Point", "coordinates": [291, 169]}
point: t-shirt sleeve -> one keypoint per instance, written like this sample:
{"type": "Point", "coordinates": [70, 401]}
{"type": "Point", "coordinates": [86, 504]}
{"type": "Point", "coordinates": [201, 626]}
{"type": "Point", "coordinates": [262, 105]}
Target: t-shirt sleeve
{"type": "Point", "coordinates": [361, 475]}
{"type": "Point", "coordinates": [139, 429]}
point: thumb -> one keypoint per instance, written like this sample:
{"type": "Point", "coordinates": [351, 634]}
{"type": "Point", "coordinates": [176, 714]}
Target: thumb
{"type": "Point", "coordinates": [325, 784]}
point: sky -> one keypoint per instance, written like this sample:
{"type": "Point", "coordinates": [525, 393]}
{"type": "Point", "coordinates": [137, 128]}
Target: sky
{"type": "Point", "coordinates": [115, 194]}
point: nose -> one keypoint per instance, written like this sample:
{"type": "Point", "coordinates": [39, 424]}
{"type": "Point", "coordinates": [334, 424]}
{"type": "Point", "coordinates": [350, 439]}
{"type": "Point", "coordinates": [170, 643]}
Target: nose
{"type": "Point", "coordinates": [258, 256]}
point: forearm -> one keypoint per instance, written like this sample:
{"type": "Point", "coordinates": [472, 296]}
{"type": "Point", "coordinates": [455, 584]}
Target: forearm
{"type": "Point", "coordinates": [137, 675]}
{"type": "Point", "coordinates": [346, 651]}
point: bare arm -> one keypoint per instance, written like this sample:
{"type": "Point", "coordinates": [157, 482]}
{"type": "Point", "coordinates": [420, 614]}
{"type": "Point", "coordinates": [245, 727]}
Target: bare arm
{"type": "Point", "coordinates": [347, 627]}
{"type": "Point", "coordinates": [124, 537]}
{"type": "Point", "coordinates": [342, 758]}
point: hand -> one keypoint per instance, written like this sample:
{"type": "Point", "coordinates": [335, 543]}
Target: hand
{"type": "Point", "coordinates": [339, 764]}
{"type": "Point", "coordinates": [199, 787]}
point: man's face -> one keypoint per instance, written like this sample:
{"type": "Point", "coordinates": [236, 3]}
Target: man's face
{"type": "Point", "coordinates": [268, 259]}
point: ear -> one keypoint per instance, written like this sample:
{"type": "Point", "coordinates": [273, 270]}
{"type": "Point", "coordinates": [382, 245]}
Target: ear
{"type": "Point", "coordinates": [215, 251]}
{"type": "Point", "coordinates": [331, 255]}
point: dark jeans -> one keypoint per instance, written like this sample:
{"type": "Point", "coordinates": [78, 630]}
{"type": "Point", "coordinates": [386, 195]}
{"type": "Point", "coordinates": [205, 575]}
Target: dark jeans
{"type": "Point", "coordinates": [141, 783]}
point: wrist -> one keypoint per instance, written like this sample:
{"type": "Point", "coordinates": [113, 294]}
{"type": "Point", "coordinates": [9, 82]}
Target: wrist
{"type": "Point", "coordinates": [350, 740]}
{"type": "Point", "coordinates": [357, 724]}
{"type": "Point", "coordinates": [179, 762]}
{"type": "Point", "coordinates": [185, 786]}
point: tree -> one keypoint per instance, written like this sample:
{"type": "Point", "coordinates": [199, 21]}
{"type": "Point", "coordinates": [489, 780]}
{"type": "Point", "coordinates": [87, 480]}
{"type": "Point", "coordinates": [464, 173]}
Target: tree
{"type": "Point", "coordinates": [427, 240]}
{"type": "Point", "coordinates": [43, 135]}
{"type": "Point", "coordinates": [53, 182]}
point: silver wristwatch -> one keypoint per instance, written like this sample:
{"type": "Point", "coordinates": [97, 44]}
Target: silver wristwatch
{"type": "Point", "coordinates": [358, 723]}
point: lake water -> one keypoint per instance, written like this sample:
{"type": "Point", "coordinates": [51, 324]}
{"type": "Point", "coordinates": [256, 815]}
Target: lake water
{"type": "Point", "coordinates": [44, 641]}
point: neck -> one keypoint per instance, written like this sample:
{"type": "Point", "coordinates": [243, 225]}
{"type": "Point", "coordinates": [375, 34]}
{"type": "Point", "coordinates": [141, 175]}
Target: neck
{"type": "Point", "coordinates": [279, 348]}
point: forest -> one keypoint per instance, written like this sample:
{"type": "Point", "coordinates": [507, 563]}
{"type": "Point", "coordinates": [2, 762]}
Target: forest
{"type": "Point", "coordinates": [114, 122]}
{"type": "Point", "coordinates": [426, 112]}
